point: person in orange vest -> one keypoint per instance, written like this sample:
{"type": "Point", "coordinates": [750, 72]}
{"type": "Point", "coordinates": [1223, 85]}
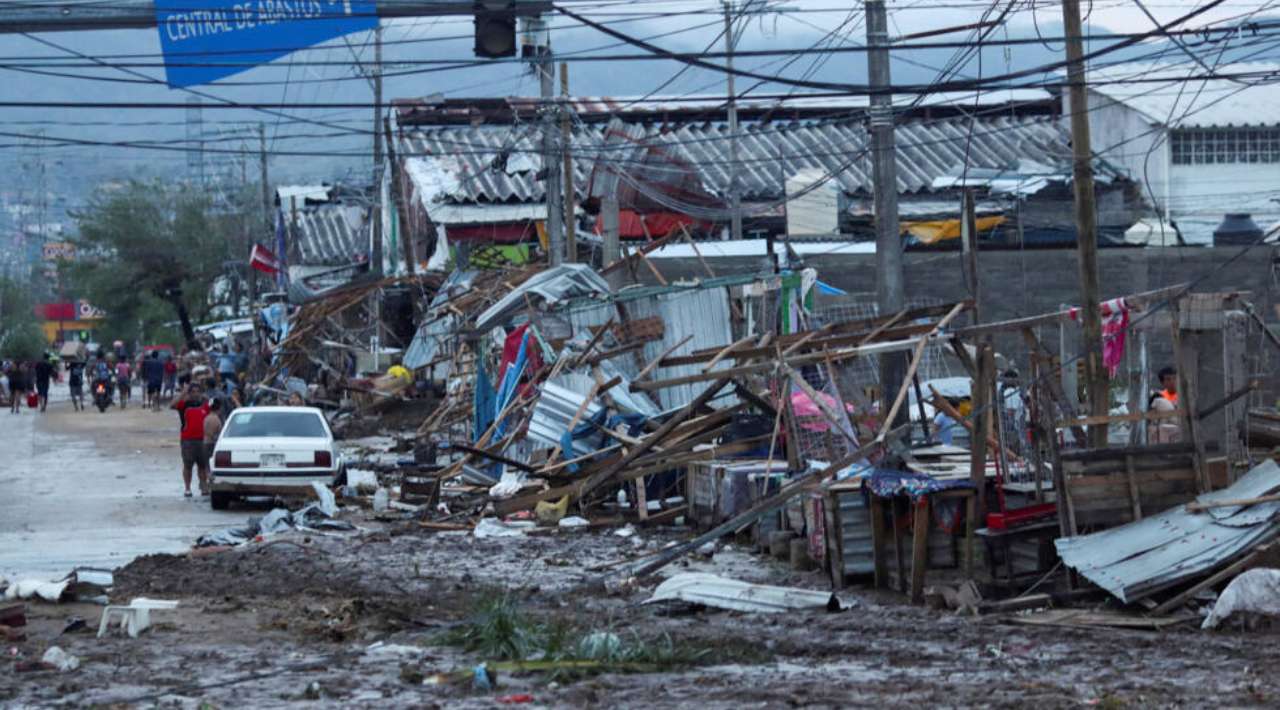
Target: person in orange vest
{"type": "Point", "coordinates": [1165, 431]}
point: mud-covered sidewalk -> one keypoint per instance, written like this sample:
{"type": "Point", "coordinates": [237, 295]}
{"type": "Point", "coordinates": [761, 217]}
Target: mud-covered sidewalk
{"type": "Point", "coordinates": [396, 615]}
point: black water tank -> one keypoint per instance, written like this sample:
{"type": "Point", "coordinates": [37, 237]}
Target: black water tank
{"type": "Point", "coordinates": [1237, 229]}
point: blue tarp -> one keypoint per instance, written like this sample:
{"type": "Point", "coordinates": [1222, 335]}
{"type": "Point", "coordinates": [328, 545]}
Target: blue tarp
{"type": "Point", "coordinates": [482, 405]}
{"type": "Point", "coordinates": [887, 483]}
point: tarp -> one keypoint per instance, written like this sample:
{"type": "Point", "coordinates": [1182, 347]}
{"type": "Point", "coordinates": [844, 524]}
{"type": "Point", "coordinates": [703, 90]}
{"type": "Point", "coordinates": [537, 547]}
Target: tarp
{"type": "Point", "coordinates": [934, 231]}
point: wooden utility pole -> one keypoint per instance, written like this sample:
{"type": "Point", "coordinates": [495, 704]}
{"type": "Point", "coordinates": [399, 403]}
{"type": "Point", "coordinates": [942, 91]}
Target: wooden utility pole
{"type": "Point", "coordinates": [406, 240]}
{"type": "Point", "coordinates": [1096, 381]}
{"type": "Point", "coordinates": [566, 140]}
{"type": "Point", "coordinates": [889, 273]}
{"type": "Point", "coordinates": [375, 251]}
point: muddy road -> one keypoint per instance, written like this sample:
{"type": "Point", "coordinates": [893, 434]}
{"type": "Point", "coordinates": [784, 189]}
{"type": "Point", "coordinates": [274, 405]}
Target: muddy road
{"type": "Point", "coordinates": [91, 489]}
{"type": "Point", "coordinates": [396, 614]}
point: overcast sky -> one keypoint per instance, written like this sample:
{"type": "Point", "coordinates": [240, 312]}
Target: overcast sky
{"type": "Point", "coordinates": [792, 24]}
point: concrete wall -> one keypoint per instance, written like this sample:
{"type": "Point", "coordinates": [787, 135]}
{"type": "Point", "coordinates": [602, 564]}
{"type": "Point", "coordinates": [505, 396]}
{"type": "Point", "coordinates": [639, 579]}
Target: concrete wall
{"type": "Point", "coordinates": [1127, 139]}
{"type": "Point", "coordinates": [1024, 283]}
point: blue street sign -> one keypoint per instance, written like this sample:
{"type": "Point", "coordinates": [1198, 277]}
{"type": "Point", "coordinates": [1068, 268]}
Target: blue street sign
{"type": "Point", "coordinates": [207, 40]}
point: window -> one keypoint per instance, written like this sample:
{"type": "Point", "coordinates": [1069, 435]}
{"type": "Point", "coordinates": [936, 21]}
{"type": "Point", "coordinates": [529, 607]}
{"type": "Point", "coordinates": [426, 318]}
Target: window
{"type": "Point", "coordinates": [1225, 146]}
{"type": "Point", "coordinates": [256, 425]}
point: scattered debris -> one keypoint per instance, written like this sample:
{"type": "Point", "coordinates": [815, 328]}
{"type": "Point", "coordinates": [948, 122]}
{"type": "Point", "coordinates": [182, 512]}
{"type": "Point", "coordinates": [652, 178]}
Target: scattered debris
{"type": "Point", "coordinates": [134, 618]}
{"type": "Point", "coordinates": [59, 660]}
{"type": "Point", "coordinates": [710, 590]}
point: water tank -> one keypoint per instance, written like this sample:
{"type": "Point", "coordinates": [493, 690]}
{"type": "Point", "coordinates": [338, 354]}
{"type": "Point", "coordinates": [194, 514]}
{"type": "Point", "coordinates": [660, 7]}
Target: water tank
{"type": "Point", "coordinates": [1237, 229]}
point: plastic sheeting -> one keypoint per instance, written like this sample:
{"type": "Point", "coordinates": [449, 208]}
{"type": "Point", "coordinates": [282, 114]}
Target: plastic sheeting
{"type": "Point", "coordinates": [1256, 591]}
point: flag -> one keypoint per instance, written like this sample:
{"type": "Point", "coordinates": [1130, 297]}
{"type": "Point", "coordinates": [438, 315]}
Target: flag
{"type": "Point", "coordinates": [263, 260]}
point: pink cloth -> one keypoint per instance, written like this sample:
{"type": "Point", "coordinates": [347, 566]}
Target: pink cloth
{"type": "Point", "coordinates": [1114, 328]}
{"type": "Point", "coordinates": [808, 416]}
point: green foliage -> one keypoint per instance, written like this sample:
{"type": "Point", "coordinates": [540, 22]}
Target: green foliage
{"type": "Point", "coordinates": [138, 243]}
{"type": "Point", "coordinates": [20, 334]}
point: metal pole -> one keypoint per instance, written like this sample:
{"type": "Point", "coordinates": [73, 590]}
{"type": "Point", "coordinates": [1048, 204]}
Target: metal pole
{"type": "Point", "coordinates": [566, 141]}
{"type": "Point", "coordinates": [375, 252]}
{"type": "Point", "coordinates": [1096, 383]}
{"type": "Point", "coordinates": [889, 271]}
{"type": "Point", "coordinates": [735, 200]}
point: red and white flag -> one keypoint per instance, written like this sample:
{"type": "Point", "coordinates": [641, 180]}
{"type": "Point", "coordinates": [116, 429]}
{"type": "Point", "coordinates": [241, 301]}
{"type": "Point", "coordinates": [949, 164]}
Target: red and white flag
{"type": "Point", "coordinates": [263, 260]}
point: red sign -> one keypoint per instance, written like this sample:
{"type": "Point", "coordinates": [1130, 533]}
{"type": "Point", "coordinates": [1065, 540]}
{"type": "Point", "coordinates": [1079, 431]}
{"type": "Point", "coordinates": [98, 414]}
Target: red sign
{"type": "Point", "coordinates": [56, 311]}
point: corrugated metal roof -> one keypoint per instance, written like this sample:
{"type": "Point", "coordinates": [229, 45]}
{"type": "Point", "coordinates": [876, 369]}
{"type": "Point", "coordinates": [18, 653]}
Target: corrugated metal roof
{"type": "Point", "coordinates": [500, 163]}
{"type": "Point", "coordinates": [330, 235]}
{"type": "Point", "coordinates": [1198, 103]}
{"type": "Point", "coordinates": [1143, 557]}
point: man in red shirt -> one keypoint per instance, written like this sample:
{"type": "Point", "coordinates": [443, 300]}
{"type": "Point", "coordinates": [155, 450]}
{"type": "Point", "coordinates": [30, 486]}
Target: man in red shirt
{"type": "Point", "coordinates": [193, 408]}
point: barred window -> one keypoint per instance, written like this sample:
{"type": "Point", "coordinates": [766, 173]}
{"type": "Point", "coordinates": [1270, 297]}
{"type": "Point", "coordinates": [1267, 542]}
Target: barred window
{"type": "Point", "coordinates": [1225, 146]}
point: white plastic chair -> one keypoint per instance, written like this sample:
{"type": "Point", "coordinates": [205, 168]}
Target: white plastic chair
{"type": "Point", "coordinates": [135, 618]}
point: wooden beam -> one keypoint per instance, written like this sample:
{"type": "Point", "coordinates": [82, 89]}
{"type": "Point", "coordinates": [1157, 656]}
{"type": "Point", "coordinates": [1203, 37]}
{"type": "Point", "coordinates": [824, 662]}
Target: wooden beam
{"type": "Point", "coordinates": [1137, 301]}
{"type": "Point", "coordinates": [916, 357]}
{"type": "Point", "coordinates": [1114, 418]}
{"type": "Point", "coordinates": [653, 364]}
{"type": "Point", "coordinates": [643, 250]}
{"type": "Point", "coordinates": [727, 349]}
{"type": "Point", "coordinates": [843, 354]}
{"type": "Point", "coordinates": [819, 341]}
{"type": "Point", "coordinates": [1197, 507]}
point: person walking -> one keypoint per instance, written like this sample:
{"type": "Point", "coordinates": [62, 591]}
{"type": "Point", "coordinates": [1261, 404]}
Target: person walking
{"type": "Point", "coordinates": [75, 384]}
{"type": "Point", "coordinates": [212, 429]}
{"type": "Point", "coordinates": [124, 380]}
{"type": "Point", "coordinates": [153, 376]}
{"type": "Point", "coordinates": [43, 374]}
{"type": "Point", "coordinates": [227, 368]}
{"type": "Point", "coordinates": [170, 378]}
{"type": "Point", "coordinates": [193, 409]}
{"type": "Point", "coordinates": [17, 387]}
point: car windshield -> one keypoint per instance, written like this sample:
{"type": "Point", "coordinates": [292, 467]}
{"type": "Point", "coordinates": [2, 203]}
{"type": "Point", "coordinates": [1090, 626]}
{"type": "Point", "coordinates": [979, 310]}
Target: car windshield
{"type": "Point", "coordinates": [268, 424]}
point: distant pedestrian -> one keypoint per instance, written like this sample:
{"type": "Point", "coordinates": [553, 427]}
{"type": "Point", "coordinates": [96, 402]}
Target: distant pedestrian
{"type": "Point", "coordinates": [43, 374]}
{"type": "Point", "coordinates": [75, 384]}
{"type": "Point", "coordinates": [17, 387]}
{"type": "Point", "coordinates": [153, 380]}
{"type": "Point", "coordinates": [227, 368]}
{"type": "Point", "coordinates": [193, 409]}
{"type": "Point", "coordinates": [124, 381]}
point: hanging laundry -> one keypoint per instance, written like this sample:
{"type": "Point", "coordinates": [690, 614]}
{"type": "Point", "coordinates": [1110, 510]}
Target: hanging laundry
{"type": "Point", "coordinates": [1115, 327]}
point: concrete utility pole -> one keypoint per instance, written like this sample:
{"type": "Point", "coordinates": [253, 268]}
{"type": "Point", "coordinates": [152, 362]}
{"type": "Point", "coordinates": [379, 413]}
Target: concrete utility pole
{"type": "Point", "coordinates": [551, 159]}
{"type": "Point", "coordinates": [889, 274]}
{"type": "Point", "coordinates": [735, 199]}
{"type": "Point", "coordinates": [266, 205]}
{"type": "Point", "coordinates": [566, 142]}
{"type": "Point", "coordinates": [375, 252]}
{"type": "Point", "coordinates": [1096, 382]}
{"type": "Point", "coordinates": [612, 249]}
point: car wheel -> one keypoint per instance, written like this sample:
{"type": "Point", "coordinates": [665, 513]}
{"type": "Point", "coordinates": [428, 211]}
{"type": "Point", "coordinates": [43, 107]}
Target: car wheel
{"type": "Point", "coordinates": [219, 500]}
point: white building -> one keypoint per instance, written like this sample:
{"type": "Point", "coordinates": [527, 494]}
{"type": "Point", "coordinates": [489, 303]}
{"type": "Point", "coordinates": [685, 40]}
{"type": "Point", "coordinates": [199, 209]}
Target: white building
{"type": "Point", "coordinates": [1200, 148]}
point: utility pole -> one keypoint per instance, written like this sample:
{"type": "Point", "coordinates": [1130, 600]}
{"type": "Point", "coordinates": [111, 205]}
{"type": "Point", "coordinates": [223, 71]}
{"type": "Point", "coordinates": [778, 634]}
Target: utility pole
{"type": "Point", "coordinates": [1096, 385]}
{"type": "Point", "coordinates": [375, 253]}
{"type": "Point", "coordinates": [566, 140]}
{"type": "Point", "coordinates": [889, 273]}
{"type": "Point", "coordinates": [612, 249]}
{"type": "Point", "coordinates": [735, 199]}
{"type": "Point", "coordinates": [266, 204]}
{"type": "Point", "coordinates": [551, 160]}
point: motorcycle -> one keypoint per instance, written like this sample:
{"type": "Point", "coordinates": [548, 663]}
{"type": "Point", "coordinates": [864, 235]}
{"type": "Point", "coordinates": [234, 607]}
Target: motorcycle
{"type": "Point", "coordinates": [102, 390]}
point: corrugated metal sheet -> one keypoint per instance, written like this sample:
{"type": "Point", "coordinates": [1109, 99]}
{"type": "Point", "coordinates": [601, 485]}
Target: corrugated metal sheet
{"type": "Point", "coordinates": [1138, 559]}
{"type": "Point", "coordinates": [331, 235]}
{"type": "Point", "coordinates": [855, 533]}
{"type": "Point", "coordinates": [722, 593]}
{"type": "Point", "coordinates": [702, 313]}
{"type": "Point", "coordinates": [499, 163]}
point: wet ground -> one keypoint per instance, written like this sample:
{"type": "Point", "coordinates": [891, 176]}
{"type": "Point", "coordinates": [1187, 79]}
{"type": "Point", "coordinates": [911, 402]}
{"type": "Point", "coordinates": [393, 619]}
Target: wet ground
{"type": "Point", "coordinates": [387, 616]}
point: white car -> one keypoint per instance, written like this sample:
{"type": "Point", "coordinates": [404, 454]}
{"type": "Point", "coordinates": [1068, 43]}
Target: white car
{"type": "Point", "coordinates": [270, 450]}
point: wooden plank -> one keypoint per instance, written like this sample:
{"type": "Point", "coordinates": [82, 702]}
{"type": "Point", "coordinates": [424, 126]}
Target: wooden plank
{"type": "Point", "coordinates": [1196, 507]}
{"type": "Point", "coordinates": [1222, 575]}
{"type": "Point", "coordinates": [1187, 363]}
{"type": "Point", "coordinates": [653, 364]}
{"type": "Point", "coordinates": [1134, 498]}
{"type": "Point", "coordinates": [881, 571]}
{"type": "Point", "coordinates": [636, 254]}
{"type": "Point", "coordinates": [842, 354]}
{"type": "Point", "coordinates": [725, 352]}
{"type": "Point", "coordinates": [1118, 453]}
{"type": "Point", "coordinates": [914, 366]}
{"type": "Point", "coordinates": [919, 549]}
{"type": "Point", "coordinates": [981, 397]}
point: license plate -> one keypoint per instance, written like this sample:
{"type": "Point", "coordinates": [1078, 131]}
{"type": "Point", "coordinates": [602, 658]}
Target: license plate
{"type": "Point", "coordinates": [274, 460]}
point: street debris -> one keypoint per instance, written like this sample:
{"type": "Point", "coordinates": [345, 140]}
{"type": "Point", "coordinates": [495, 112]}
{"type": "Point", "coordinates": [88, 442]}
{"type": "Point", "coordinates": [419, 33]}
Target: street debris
{"type": "Point", "coordinates": [1256, 591]}
{"type": "Point", "coordinates": [59, 660]}
{"type": "Point", "coordinates": [134, 618]}
{"type": "Point", "coordinates": [710, 590]}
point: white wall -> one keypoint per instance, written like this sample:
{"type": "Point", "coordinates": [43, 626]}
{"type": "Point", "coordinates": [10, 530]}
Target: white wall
{"type": "Point", "coordinates": [1129, 141]}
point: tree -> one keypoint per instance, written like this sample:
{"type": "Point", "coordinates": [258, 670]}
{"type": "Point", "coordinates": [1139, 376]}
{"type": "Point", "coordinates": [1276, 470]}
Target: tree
{"type": "Point", "coordinates": [20, 334]}
{"type": "Point", "coordinates": [147, 248]}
